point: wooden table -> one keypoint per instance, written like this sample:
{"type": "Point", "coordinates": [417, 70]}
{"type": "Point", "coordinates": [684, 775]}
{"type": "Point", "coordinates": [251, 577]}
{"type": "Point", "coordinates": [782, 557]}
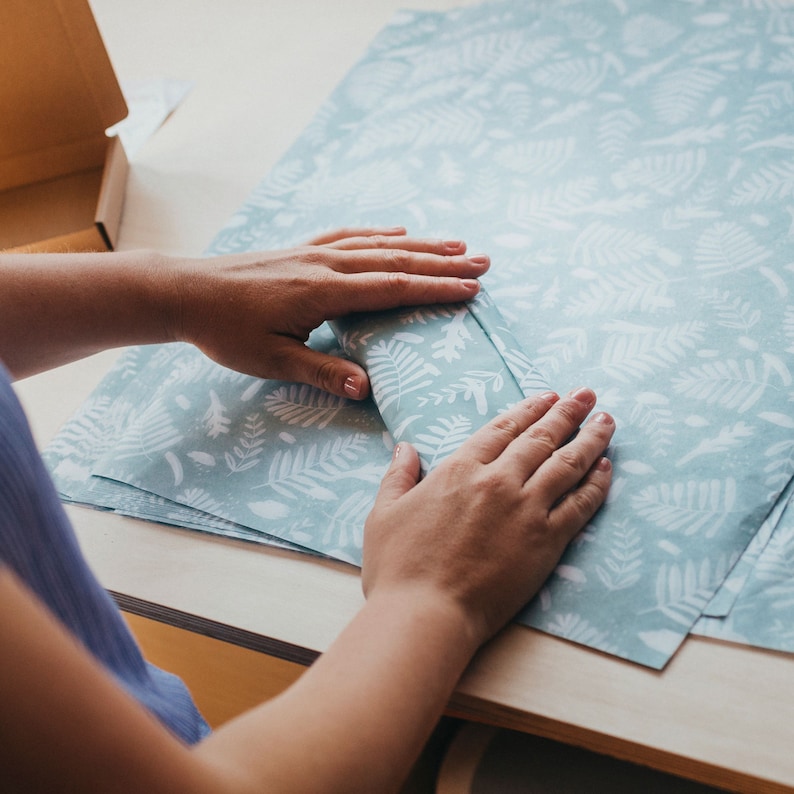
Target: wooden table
{"type": "Point", "coordinates": [719, 713]}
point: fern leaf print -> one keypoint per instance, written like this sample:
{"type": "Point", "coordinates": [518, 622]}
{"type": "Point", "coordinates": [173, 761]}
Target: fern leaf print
{"type": "Point", "coordinates": [629, 168]}
{"type": "Point", "coordinates": [398, 370]}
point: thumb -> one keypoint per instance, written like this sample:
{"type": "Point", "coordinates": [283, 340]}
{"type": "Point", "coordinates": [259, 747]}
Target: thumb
{"type": "Point", "coordinates": [336, 375]}
{"type": "Point", "coordinates": [401, 476]}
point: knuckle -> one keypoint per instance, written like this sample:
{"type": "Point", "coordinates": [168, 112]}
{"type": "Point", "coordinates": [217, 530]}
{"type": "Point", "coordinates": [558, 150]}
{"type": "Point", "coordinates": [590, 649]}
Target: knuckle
{"type": "Point", "coordinates": [397, 259]}
{"type": "Point", "coordinates": [326, 375]}
{"type": "Point", "coordinates": [398, 281]}
{"type": "Point", "coordinates": [457, 467]}
{"type": "Point", "coordinates": [492, 483]}
{"type": "Point", "coordinates": [588, 498]}
{"type": "Point", "coordinates": [317, 256]}
{"type": "Point", "coordinates": [280, 359]}
{"type": "Point", "coordinates": [542, 437]}
{"type": "Point", "coordinates": [320, 282]}
{"type": "Point", "coordinates": [508, 425]}
{"type": "Point", "coordinates": [571, 411]}
{"type": "Point", "coordinates": [460, 473]}
{"type": "Point", "coordinates": [573, 458]}
{"type": "Point", "coordinates": [394, 476]}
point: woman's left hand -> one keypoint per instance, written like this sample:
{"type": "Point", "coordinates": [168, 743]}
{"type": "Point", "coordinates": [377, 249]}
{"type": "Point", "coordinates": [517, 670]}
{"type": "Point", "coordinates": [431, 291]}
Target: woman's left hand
{"type": "Point", "coordinates": [254, 312]}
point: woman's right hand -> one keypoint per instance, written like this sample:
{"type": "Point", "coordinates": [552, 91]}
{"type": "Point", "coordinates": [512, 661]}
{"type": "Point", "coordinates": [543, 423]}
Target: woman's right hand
{"type": "Point", "coordinates": [484, 530]}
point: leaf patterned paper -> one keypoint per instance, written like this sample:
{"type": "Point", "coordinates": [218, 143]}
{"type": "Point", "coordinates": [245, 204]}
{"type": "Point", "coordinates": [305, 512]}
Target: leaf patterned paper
{"type": "Point", "coordinates": [762, 604]}
{"type": "Point", "coordinates": [96, 428]}
{"type": "Point", "coordinates": [629, 167]}
{"type": "Point", "coordinates": [439, 372]}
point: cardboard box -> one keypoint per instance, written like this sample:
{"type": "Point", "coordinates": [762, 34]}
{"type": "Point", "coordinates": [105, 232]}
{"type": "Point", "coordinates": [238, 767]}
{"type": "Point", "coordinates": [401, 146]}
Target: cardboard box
{"type": "Point", "coordinates": [62, 179]}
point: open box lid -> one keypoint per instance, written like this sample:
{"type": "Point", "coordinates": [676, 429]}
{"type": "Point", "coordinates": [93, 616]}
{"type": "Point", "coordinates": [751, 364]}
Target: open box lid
{"type": "Point", "coordinates": [58, 91]}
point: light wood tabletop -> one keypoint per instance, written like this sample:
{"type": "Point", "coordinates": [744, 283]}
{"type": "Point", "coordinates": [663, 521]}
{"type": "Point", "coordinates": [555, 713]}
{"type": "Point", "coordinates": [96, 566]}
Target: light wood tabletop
{"type": "Point", "coordinates": [719, 713]}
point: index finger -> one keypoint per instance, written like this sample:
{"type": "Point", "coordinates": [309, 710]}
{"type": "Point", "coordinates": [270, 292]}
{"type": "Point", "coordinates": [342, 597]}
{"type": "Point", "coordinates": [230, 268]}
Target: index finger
{"type": "Point", "coordinates": [491, 440]}
{"type": "Point", "coordinates": [337, 235]}
{"type": "Point", "coordinates": [568, 465]}
{"type": "Point", "coordinates": [429, 245]}
{"type": "Point", "coordinates": [366, 292]}
{"type": "Point", "coordinates": [407, 255]}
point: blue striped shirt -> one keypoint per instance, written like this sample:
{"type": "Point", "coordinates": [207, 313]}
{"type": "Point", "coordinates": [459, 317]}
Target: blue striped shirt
{"type": "Point", "coordinates": [38, 543]}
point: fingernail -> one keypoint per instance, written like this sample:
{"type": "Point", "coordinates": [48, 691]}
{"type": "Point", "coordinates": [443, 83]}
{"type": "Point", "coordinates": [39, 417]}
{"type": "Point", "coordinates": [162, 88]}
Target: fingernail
{"type": "Point", "coordinates": [396, 451]}
{"type": "Point", "coordinates": [453, 245]}
{"type": "Point", "coordinates": [471, 284]}
{"type": "Point", "coordinates": [583, 395]}
{"type": "Point", "coordinates": [548, 396]}
{"type": "Point", "coordinates": [480, 259]}
{"type": "Point", "coordinates": [353, 385]}
{"type": "Point", "coordinates": [602, 418]}
{"type": "Point", "coordinates": [604, 464]}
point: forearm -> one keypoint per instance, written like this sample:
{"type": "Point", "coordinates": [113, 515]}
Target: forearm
{"type": "Point", "coordinates": [57, 308]}
{"type": "Point", "coordinates": [353, 723]}
{"type": "Point", "coordinates": [363, 711]}
{"type": "Point", "coordinates": [252, 312]}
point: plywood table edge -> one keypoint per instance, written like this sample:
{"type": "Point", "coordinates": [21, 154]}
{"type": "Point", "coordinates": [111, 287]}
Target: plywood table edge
{"type": "Point", "coordinates": [466, 703]}
{"type": "Point", "coordinates": [207, 627]}
{"type": "Point", "coordinates": [475, 709]}
{"type": "Point", "coordinates": [739, 742]}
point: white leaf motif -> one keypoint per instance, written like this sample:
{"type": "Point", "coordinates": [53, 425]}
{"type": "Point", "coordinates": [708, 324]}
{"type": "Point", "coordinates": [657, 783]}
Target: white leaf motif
{"type": "Point", "coordinates": [771, 183]}
{"type": "Point", "coordinates": [663, 640]}
{"type": "Point", "coordinates": [204, 458]}
{"type": "Point", "coordinates": [269, 509]}
{"type": "Point", "coordinates": [634, 351]}
{"type": "Point", "coordinates": [395, 370]}
{"type": "Point", "coordinates": [667, 174]}
{"type": "Point", "coordinates": [442, 439]}
{"type": "Point", "coordinates": [571, 573]}
{"type": "Point", "coordinates": [726, 383]}
{"type": "Point", "coordinates": [689, 507]}
{"type": "Point", "coordinates": [682, 592]}
{"type": "Point", "coordinates": [176, 468]}
{"type": "Point", "coordinates": [678, 94]}
{"type": "Point", "coordinates": [215, 419]}
{"type": "Point", "coordinates": [153, 432]}
{"type": "Point", "coordinates": [727, 438]}
{"type": "Point", "coordinates": [303, 405]}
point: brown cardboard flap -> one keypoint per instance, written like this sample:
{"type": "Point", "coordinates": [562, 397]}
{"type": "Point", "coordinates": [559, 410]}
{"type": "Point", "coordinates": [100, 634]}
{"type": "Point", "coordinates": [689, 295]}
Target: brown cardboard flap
{"type": "Point", "coordinates": [111, 193]}
{"type": "Point", "coordinates": [49, 209]}
{"type": "Point", "coordinates": [58, 91]}
{"type": "Point", "coordinates": [90, 239]}
{"type": "Point", "coordinates": [75, 212]}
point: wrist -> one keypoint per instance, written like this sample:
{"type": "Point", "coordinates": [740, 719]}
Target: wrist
{"type": "Point", "coordinates": [434, 613]}
{"type": "Point", "coordinates": [164, 289]}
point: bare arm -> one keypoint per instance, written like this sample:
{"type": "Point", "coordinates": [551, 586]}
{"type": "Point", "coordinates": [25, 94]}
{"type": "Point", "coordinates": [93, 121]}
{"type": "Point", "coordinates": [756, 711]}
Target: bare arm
{"type": "Point", "coordinates": [252, 312]}
{"type": "Point", "coordinates": [439, 583]}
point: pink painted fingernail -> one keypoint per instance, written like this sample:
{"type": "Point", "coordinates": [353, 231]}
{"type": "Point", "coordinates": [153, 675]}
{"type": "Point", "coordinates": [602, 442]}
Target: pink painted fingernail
{"type": "Point", "coordinates": [353, 386]}
{"type": "Point", "coordinates": [583, 395]}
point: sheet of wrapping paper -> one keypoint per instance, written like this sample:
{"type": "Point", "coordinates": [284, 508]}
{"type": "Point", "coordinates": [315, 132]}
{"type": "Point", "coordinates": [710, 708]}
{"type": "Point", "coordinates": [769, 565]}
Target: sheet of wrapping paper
{"type": "Point", "coordinates": [762, 613]}
{"type": "Point", "coordinates": [439, 373]}
{"type": "Point", "coordinates": [94, 431]}
{"type": "Point", "coordinates": [629, 168]}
